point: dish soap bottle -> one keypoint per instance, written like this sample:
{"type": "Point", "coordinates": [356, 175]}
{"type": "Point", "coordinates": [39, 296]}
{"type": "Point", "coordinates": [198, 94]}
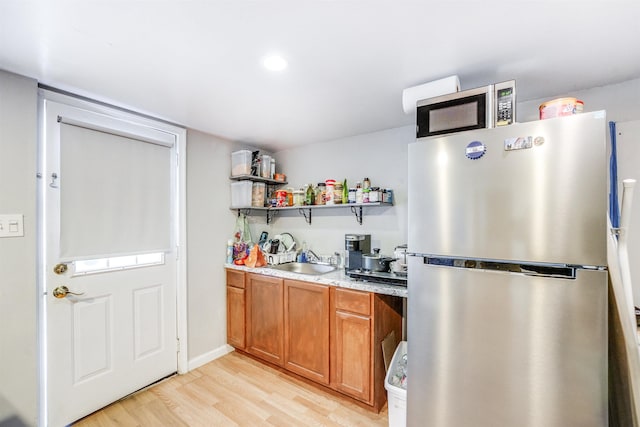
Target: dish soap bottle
{"type": "Point", "coordinates": [230, 251]}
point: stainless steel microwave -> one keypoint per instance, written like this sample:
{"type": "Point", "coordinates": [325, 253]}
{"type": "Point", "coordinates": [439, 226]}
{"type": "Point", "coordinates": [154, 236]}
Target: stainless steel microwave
{"type": "Point", "coordinates": [483, 107]}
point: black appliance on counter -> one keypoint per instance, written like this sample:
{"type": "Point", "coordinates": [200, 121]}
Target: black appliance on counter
{"type": "Point", "coordinates": [358, 244]}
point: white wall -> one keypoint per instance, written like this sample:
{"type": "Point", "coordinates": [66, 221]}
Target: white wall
{"type": "Point", "coordinates": [380, 156]}
{"type": "Point", "coordinates": [18, 296]}
{"type": "Point", "coordinates": [209, 225]}
{"type": "Point", "coordinates": [621, 100]}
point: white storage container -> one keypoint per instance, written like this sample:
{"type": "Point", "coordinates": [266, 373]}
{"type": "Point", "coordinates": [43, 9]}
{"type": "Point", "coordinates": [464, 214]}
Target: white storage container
{"type": "Point", "coordinates": [259, 194]}
{"type": "Point", "coordinates": [397, 393]}
{"type": "Point", "coordinates": [241, 194]}
{"type": "Point", "coordinates": [241, 163]}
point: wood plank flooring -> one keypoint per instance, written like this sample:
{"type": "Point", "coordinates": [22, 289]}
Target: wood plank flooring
{"type": "Point", "coordinates": [233, 390]}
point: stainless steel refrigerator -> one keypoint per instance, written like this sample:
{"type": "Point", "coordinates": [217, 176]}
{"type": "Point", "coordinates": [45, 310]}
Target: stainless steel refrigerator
{"type": "Point", "coordinates": [507, 289]}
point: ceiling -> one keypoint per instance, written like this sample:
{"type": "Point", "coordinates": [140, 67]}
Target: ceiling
{"type": "Point", "coordinates": [199, 63]}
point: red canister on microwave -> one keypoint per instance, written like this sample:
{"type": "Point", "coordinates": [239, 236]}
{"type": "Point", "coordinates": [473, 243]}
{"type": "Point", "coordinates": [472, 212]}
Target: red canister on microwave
{"type": "Point", "coordinates": [561, 107]}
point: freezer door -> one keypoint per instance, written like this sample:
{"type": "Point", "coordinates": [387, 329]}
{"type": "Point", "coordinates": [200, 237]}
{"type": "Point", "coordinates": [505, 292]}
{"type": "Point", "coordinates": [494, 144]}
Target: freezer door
{"type": "Point", "coordinates": [504, 349]}
{"type": "Point", "coordinates": [527, 192]}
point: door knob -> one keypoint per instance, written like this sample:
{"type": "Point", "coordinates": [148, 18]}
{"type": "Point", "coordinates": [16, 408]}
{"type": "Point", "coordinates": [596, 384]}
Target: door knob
{"type": "Point", "coordinates": [60, 268]}
{"type": "Point", "coordinates": [63, 291]}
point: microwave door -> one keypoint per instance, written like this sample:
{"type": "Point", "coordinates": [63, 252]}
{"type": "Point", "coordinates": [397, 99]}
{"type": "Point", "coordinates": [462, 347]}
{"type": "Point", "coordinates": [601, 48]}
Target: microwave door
{"type": "Point", "coordinates": [454, 115]}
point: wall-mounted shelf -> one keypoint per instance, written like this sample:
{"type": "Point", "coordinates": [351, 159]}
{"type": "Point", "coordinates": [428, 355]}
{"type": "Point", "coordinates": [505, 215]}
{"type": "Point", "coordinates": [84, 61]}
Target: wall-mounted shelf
{"type": "Point", "coordinates": [255, 178]}
{"type": "Point", "coordinates": [356, 209]}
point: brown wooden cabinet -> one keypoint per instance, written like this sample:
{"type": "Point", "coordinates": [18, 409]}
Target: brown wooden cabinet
{"type": "Point", "coordinates": [329, 335]}
{"type": "Point", "coordinates": [236, 309]}
{"type": "Point", "coordinates": [359, 323]}
{"type": "Point", "coordinates": [306, 330]}
{"type": "Point", "coordinates": [351, 343]}
{"type": "Point", "coordinates": [265, 317]}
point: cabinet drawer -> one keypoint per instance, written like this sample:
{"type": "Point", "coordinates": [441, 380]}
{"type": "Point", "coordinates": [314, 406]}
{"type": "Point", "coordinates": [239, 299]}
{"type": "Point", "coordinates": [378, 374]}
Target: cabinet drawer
{"type": "Point", "coordinates": [353, 301]}
{"type": "Point", "coordinates": [235, 278]}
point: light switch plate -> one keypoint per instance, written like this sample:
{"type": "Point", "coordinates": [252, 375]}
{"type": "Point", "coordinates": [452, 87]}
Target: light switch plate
{"type": "Point", "coordinates": [12, 225]}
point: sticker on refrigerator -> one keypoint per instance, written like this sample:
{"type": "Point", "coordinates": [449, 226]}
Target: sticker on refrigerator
{"type": "Point", "coordinates": [475, 150]}
{"type": "Point", "coordinates": [519, 143]}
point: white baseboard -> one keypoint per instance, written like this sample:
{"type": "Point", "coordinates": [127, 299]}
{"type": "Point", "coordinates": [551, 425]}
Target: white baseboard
{"type": "Point", "coordinates": [203, 359]}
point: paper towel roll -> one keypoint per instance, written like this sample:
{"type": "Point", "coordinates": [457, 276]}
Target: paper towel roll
{"type": "Point", "coordinates": [412, 95]}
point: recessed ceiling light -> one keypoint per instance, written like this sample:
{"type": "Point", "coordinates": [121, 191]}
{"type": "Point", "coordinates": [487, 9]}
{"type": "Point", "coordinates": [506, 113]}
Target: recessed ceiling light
{"type": "Point", "coordinates": [275, 63]}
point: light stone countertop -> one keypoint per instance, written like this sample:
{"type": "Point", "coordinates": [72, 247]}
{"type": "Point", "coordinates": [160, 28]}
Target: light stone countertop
{"type": "Point", "coordinates": [335, 278]}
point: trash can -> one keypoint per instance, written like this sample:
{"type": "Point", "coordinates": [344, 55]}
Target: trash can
{"type": "Point", "coordinates": [396, 385]}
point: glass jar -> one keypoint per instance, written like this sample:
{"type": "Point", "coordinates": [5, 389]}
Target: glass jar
{"type": "Point", "coordinates": [374, 195]}
{"type": "Point", "coordinates": [366, 184]}
{"type": "Point", "coordinates": [298, 197]}
{"type": "Point", "coordinates": [321, 193]}
{"type": "Point", "coordinates": [289, 196]}
{"type": "Point", "coordinates": [337, 193]}
{"type": "Point", "coordinates": [365, 195]}
{"type": "Point", "coordinates": [352, 195]}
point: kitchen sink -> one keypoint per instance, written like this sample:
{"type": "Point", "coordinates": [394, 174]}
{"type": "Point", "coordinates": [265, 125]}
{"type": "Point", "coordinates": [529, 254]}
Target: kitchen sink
{"type": "Point", "coordinates": [304, 268]}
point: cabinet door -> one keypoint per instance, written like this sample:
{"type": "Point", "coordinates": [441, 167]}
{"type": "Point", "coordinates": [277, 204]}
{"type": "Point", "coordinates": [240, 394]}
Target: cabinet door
{"type": "Point", "coordinates": [265, 318]}
{"type": "Point", "coordinates": [352, 355]}
{"type": "Point", "coordinates": [306, 330]}
{"type": "Point", "coordinates": [235, 317]}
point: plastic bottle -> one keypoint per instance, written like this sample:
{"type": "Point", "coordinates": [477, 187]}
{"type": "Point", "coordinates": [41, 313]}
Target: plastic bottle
{"type": "Point", "coordinates": [303, 253]}
{"type": "Point", "coordinates": [230, 251]}
{"type": "Point", "coordinates": [345, 191]}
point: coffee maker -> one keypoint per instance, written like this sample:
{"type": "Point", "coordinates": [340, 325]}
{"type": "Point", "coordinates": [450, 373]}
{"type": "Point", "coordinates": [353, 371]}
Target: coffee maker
{"type": "Point", "coordinates": [356, 245]}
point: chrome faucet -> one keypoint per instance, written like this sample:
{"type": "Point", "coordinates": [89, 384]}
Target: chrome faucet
{"type": "Point", "coordinates": [311, 256]}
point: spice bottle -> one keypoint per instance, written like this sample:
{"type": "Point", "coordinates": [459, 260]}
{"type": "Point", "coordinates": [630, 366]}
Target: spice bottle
{"type": "Point", "coordinates": [366, 184]}
{"type": "Point", "coordinates": [359, 192]}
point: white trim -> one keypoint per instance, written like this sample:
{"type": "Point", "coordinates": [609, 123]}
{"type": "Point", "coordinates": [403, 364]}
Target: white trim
{"type": "Point", "coordinates": [181, 264]}
{"type": "Point", "coordinates": [210, 356]}
{"type": "Point", "coordinates": [154, 126]}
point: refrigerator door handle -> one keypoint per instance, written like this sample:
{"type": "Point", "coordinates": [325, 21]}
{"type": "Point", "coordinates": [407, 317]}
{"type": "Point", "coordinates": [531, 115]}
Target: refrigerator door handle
{"type": "Point", "coordinates": [544, 270]}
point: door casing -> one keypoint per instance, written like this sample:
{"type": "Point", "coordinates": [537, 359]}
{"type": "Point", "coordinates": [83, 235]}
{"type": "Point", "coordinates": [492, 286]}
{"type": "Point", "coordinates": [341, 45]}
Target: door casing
{"type": "Point", "coordinates": [181, 263]}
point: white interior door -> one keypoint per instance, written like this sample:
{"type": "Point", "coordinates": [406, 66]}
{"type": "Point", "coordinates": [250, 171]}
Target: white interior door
{"type": "Point", "coordinates": [109, 231]}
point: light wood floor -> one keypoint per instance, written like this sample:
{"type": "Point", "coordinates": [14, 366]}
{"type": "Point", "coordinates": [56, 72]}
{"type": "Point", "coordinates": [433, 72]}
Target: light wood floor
{"type": "Point", "coordinates": [234, 390]}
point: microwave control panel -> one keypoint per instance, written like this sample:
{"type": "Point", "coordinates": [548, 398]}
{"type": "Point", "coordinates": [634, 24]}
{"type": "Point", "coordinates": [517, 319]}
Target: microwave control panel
{"type": "Point", "coordinates": [505, 103]}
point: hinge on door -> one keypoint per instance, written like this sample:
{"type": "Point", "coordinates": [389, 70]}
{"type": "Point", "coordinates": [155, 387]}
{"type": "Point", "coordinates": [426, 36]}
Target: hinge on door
{"type": "Point", "coordinates": [177, 345]}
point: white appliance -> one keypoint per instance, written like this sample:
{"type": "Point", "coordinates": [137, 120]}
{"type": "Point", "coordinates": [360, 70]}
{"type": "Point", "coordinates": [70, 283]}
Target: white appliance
{"type": "Point", "coordinates": [507, 290]}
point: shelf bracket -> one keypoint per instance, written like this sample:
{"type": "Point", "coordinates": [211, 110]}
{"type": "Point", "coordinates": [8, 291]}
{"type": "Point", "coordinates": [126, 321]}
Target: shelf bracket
{"type": "Point", "coordinates": [270, 215]}
{"type": "Point", "coordinates": [357, 211]}
{"type": "Point", "coordinates": [307, 218]}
